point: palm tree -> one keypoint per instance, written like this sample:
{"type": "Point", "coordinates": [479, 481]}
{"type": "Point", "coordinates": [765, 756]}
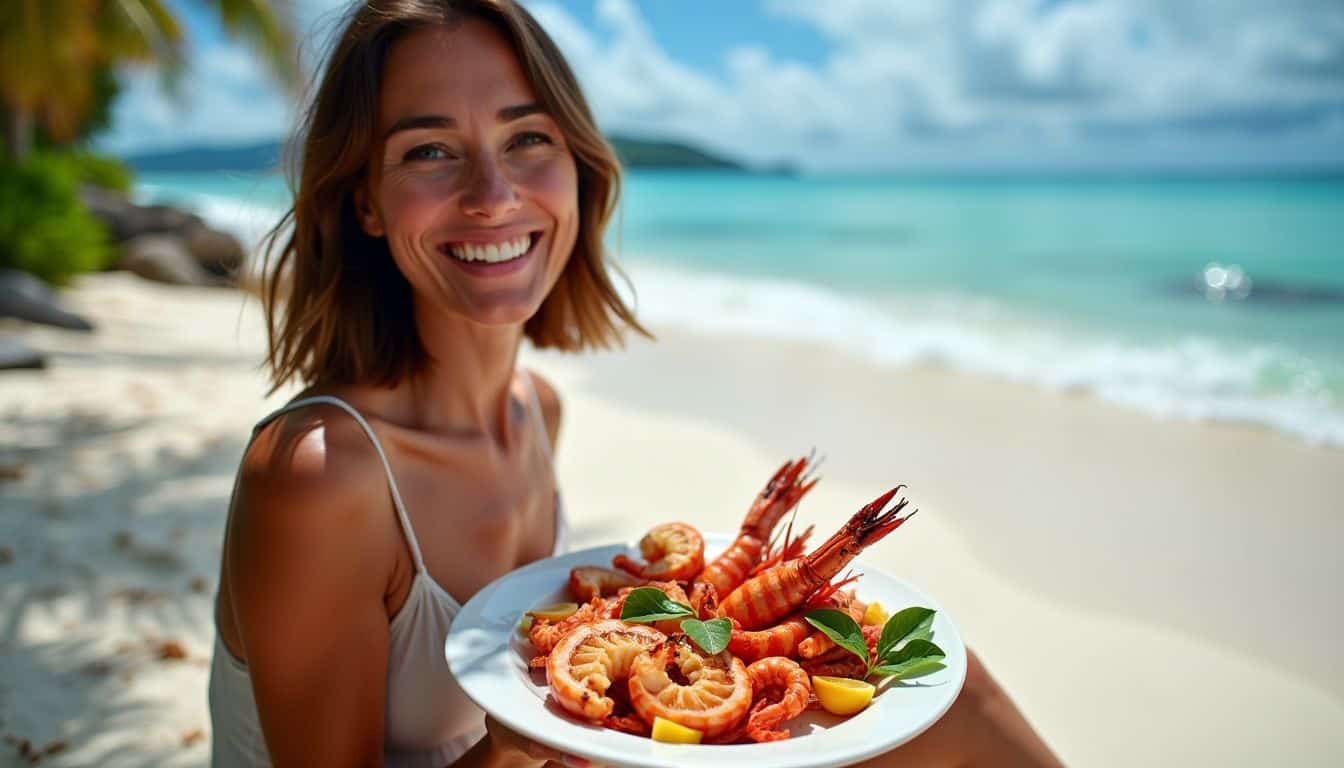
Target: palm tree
{"type": "Point", "coordinates": [52, 50]}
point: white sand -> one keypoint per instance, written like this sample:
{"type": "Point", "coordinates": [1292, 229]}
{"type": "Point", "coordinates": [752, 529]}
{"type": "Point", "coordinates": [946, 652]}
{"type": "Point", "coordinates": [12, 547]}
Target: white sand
{"type": "Point", "coordinates": [1152, 593]}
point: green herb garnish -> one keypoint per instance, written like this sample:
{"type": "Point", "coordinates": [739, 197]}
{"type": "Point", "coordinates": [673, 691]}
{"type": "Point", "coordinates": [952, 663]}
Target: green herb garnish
{"type": "Point", "coordinates": [645, 605]}
{"type": "Point", "coordinates": [904, 650]}
{"type": "Point", "coordinates": [840, 627]}
{"type": "Point", "coordinates": [910, 624]}
{"type": "Point", "coordinates": [712, 636]}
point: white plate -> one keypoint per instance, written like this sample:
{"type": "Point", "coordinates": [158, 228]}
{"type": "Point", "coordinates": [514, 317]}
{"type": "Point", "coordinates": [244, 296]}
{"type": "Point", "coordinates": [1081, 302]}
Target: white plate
{"type": "Point", "coordinates": [489, 660]}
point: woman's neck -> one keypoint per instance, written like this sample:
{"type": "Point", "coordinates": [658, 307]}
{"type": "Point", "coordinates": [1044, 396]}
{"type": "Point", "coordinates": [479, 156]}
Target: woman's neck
{"type": "Point", "coordinates": [464, 388]}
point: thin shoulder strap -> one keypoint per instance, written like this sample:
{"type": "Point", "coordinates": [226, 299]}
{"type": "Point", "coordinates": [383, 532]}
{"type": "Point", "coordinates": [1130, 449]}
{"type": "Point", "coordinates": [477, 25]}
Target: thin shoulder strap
{"type": "Point", "coordinates": [382, 456]}
{"type": "Point", "coordinates": [535, 406]}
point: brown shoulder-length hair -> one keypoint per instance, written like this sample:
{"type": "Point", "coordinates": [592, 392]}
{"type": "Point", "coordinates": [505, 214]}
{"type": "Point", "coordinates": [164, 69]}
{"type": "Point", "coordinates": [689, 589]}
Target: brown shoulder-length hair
{"type": "Point", "coordinates": [338, 311]}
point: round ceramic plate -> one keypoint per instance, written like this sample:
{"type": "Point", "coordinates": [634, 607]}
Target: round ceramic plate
{"type": "Point", "coordinates": [489, 659]}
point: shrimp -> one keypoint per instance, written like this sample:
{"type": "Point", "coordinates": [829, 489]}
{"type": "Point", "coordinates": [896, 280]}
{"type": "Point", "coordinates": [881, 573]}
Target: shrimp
{"type": "Point", "coordinates": [840, 662]}
{"type": "Point", "coordinates": [782, 493]}
{"type": "Point", "coordinates": [673, 551]}
{"type": "Point", "coordinates": [545, 634]}
{"type": "Point", "coordinates": [771, 677]}
{"type": "Point", "coordinates": [589, 581]}
{"type": "Point", "coordinates": [783, 639]}
{"type": "Point", "coordinates": [779, 591]}
{"type": "Point", "coordinates": [819, 642]}
{"type": "Point", "coordinates": [624, 718]}
{"type": "Point", "coordinates": [590, 659]}
{"type": "Point", "coordinates": [711, 694]}
{"type": "Point", "coordinates": [704, 600]}
{"type": "Point", "coordinates": [779, 640]}
{"type": "Point", "coordinates": [850, 666]}
{"type": "Point", "coordinates": [792, 548]}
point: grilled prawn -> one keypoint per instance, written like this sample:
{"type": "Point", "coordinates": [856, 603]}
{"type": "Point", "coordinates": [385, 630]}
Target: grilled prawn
{"type": "Point", "coordinates": [711, 694]}
{"type": "Point", "coordinates": [590, 659]}
{"type": "Point", "coordinates": [785, 488]}
{"type": "Point", "coordinates": [673, 551]}
{"type": "Point", "coordinates": [766, 598]}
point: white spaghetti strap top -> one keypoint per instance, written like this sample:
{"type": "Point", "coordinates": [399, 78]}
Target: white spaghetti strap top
{"type": "Point", "coordinates": [429, 721]}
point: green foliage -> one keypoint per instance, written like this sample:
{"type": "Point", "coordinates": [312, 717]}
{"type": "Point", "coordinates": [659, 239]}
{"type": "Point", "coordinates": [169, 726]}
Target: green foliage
{"type": "Point", "coordinates": [98, 170]}
{"type": "Point", "coordinates": [44, 228]}
{"type": "Point", "coordinates": [712, 636]}
{"type": "Point", "coordinates": [647, 605]}
{"type": "Point", "coordinates": [904, 650]}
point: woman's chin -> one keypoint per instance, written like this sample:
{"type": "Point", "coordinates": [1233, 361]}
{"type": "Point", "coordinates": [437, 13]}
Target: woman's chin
{"type": "Point", "coordinates": [502, 314]}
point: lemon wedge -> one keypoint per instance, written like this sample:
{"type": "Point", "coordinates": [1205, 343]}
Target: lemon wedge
{"type": "Point", "coordinates": [842, 695]}
{"type": "Point", "coordinates": [875, 614]}
{"type": "Point", "coordinates": [555, 612]}
{"type": "Point", "coordinates": [674, 733]}
{"type": "Point", "coordinates": [525, 625]}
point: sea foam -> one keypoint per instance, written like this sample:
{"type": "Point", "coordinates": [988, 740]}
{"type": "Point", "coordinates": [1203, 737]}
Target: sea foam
{"type": "Point", "coordinates": [1186, 377]}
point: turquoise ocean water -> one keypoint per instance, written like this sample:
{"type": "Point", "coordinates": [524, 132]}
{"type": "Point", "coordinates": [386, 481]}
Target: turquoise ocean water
{"type": "Point", "coordinates": [1216, 299]}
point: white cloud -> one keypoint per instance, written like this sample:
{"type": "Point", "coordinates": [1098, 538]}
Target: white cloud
{"type": "Point", "coordinates": [918, 82]}
{"type": "Point", "coordinates": [988, 81]}
{"type": "Point", "coordinates": [226, 98]}
{"type": "Point", "coordinates": [1007, 61]}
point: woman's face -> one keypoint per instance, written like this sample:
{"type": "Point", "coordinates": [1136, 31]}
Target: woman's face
{"type": "Point", "coordinates": [471, 183]}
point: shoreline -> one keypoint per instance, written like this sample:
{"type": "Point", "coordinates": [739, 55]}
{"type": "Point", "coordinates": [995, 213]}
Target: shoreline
{"type": "Point", "coordinates": [1132, 582]}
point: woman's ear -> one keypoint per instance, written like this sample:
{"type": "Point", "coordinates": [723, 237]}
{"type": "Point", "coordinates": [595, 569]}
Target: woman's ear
{"type": "Point", "coordinates": [369, 220]}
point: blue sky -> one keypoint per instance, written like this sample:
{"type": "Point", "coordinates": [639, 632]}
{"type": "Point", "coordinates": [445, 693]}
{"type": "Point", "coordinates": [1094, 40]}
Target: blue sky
{"type": "Point", "coordinates": [872, 85]}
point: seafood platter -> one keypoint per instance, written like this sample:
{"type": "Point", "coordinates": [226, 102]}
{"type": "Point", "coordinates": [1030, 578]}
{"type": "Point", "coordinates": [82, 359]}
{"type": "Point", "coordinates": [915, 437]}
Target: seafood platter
{"type": "Point", "coordinates": [688, 649]}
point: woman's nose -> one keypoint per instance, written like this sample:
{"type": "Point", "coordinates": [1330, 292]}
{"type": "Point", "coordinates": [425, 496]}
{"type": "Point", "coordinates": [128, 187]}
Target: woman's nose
{"type": "Point", "coordinates": [489, 193]}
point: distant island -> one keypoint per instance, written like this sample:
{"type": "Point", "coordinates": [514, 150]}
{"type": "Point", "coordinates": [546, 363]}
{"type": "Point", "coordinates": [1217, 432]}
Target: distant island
{"type": "Point", "coordinates": [644, 153]}
{"type": "Point", "coordinates": [265, 156]}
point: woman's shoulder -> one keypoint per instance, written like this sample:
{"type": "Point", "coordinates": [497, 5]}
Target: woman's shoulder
{"type": "Point", "coordinates": [315, 460]}
{"type": "Point", "coordinates": [549, 399]}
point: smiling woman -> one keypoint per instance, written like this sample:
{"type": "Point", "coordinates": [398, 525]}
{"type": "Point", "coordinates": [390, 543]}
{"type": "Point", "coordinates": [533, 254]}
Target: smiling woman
{"type": "Point", "coordinates": [450, 200]}
{"type": "Point", "coordinates": [367, 147]}
{"type": "Point", "coordinates": [492, 188]}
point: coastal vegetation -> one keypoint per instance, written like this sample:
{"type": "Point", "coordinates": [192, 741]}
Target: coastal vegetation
{"type": "Point", "coordinates": [59, 67]}
{"type": "Point", "coordinates": [45, 229]}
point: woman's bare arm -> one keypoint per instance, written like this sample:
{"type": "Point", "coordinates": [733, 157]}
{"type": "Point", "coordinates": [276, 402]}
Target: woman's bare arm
{"type": "Point", "coordinates": [308, 572]}
{"type": "Point", "coordinates": [983, 728]}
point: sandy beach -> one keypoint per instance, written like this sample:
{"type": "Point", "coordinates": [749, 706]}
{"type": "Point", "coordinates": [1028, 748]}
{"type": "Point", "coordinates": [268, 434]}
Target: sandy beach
{"type": "Point", "coordinates": [1151, 592]}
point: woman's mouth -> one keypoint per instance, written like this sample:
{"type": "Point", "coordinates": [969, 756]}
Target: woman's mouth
{"type": "Point", "coordinates": [496, 258]}
{"type": "Point", "coordinates": [491, 253]}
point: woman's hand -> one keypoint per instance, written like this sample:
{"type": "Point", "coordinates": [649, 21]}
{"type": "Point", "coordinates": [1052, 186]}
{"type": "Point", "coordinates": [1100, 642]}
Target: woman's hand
{"type": "Point", "coordinates": [505, 741]}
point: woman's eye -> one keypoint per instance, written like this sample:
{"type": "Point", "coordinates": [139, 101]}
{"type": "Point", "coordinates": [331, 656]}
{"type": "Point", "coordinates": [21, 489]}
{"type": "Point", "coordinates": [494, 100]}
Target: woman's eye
{"type": "Point", "coordinates": [425, 152]}
{"type": "Point", "coordinates": [531, 138]}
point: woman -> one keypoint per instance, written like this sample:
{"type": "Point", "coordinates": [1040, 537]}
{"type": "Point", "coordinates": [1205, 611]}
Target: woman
{"type": "Point", "coordinates": [452, 198]}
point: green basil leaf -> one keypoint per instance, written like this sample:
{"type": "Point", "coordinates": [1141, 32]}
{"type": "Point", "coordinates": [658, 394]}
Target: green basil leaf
{"type": "Point", "coordinates": [712, 636]}
{"type": "Point", "coordinates": [840, 627]}
{"type": "Point", "coordinates": [908, 672]}
{"type": "Point", "coordinates": [917, 657]}
{"type": "Point", "coordinates": [645, 605]}
{"type": "Point", "coordinates": [910, 624]}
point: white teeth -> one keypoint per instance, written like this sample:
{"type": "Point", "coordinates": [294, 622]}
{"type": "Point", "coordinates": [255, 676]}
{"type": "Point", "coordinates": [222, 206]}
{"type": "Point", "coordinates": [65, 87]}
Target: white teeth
{"type": "Point", "coordinates": [494, 252]}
